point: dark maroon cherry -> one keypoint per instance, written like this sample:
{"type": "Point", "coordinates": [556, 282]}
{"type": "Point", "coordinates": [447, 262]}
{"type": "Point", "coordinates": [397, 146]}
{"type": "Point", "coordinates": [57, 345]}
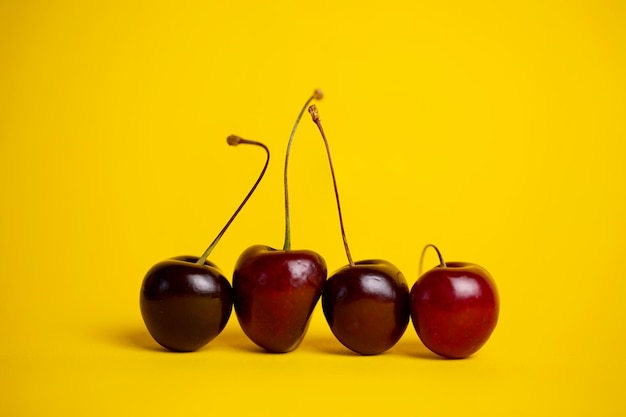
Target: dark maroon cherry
{"type": "Point", "coordinates": [454, 308]}
{"type": "Point", "coordinates": [275, 291]}
{"type": "Point", "coordinates": [366, 303]}
{"type": "Point", "coordinates": [186, 301]}
{"type": "Point", "coordinates": [185, 305]}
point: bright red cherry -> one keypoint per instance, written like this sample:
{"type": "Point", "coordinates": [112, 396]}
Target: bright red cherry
{"type": "Point", "coordinates": [365, 303]}
{"type": "Point", "coordinates": [454, 308]}
{"type": "Point", "coordinates": [186, 301]}
{"type": "Point", "coordinates": [275, 291]}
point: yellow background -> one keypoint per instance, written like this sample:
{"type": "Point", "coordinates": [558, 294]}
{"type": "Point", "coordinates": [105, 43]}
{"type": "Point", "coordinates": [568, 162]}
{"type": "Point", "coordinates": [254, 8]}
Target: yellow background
{"type": "Point", "coordinates": [495, 131]}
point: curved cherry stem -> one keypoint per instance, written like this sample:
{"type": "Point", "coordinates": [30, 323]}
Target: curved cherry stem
{"type": "Point", "coordinates": [316, 119]}
{"type": "Point", "coordinates": [235, 140]}
{"type": "Point", "coordinates": [441, 261]}
{"type": "Point", "coordinates": [317, 95]}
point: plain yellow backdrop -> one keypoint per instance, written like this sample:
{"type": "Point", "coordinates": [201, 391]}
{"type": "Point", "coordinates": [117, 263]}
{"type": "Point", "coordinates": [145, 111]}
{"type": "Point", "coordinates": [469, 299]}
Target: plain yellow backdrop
{"type": "Point", "coordinates": [495, 130]}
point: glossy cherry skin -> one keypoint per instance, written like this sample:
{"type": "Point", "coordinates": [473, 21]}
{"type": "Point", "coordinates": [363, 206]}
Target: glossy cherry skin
{"type": "Point", "coordinates": [185, 305]}
{"type": "Point", "coordinates": [367, 306]}
{"type": "Point", "coordinates": [455, 309]}
{"type": "Point", "coordinates": [275, 293]}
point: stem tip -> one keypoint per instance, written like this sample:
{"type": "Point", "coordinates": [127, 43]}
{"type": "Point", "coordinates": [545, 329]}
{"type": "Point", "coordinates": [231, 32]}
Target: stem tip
{"type": "Point", "coordinates": [233, 140]}
{"type": "Point", "coordinates": [314, 113]}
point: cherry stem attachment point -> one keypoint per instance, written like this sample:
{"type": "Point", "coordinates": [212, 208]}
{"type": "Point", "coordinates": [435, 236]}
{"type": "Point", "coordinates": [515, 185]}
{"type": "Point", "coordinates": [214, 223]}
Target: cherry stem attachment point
{"type": "Point", "coordinates": [316, 119]}
{"type": "Point", "coordinates": [235, 140]}
{"type": "Point", "coordinates": [317, 95]}
{"type": "Point", "coordinates": [441, 261]}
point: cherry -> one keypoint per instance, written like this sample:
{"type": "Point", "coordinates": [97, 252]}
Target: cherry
{"type": "Point", "coordinates": [454, 307]}
{"type": "Point", "coordinates": [365, 303]}
{"type": "Point", "coordinates": [186, 301]}
{"type": "Point", "coordinates": [275, 294]}
{"type": "Point", "coordinates": [275, 291]}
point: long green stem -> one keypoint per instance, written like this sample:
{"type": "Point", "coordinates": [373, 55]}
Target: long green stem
{"type": "Point", "coordinates": [316, 119]}
{"type": "Point", "coordinates": [317, 95]}
{"type": "Point", "coordinates": [430, 245]}
{"type": "Point", "coordinates": [235, 140]}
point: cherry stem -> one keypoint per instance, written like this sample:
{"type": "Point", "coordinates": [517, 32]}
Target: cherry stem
{"type": "Point", "coordinates": [316, 119]}
{"type": "Point", "coordinates": [441, 261]}
{"type": "Point", "coordinates": [317, 95]}
{"type": "Point", "coordinates": [235, 140]}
